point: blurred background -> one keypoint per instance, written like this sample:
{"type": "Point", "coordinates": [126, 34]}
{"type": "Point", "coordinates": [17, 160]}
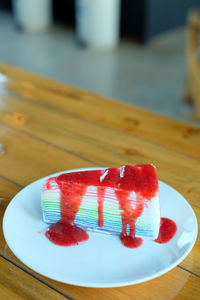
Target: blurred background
{"type": "Point", "coordinates": [130, 50]}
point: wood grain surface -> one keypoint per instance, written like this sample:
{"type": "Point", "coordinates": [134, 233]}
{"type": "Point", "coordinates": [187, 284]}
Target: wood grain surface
{"type": "Point", "coordinates": [46, 127]}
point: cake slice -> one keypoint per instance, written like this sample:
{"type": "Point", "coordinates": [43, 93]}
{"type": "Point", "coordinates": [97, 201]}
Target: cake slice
{"type": "Point", "coordinates": [123, 201]}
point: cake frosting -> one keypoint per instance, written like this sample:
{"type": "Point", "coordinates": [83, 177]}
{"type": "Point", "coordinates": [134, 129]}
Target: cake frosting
{"type": "Point", "coordinates": [122, 201]}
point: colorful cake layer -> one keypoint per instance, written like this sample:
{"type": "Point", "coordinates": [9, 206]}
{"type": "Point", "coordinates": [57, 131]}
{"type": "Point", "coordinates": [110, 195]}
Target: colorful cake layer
{"type": "Point", "coordinates": [114, 200]}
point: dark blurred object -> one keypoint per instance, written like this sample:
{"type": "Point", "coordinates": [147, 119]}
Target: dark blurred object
{"type": "Point", "coordinates": [146, 18]}
{"type": "Point", "coordinates": [64, 11]}
{"type": "Point", "coordinates": [5, 4]}
{"type": "Point", "coordinates": [192, 93]}
{"type": "Point", "coordinates": [141, 19]}
{"type": "Point", "coordinates": [132, 18]}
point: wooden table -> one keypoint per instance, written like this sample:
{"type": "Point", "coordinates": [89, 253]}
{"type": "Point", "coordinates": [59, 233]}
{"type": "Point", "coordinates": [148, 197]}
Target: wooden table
{"type": "Point", "coordinates": [46, 127]}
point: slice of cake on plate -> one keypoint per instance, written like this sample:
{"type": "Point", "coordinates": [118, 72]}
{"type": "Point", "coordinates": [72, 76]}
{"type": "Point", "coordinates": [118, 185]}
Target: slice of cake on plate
{"type": "Point", "coordinates": [123, 201]}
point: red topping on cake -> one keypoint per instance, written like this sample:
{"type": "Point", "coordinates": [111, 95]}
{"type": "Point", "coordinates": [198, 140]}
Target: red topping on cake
{"type": "Point", "coordinates": [142, 179]}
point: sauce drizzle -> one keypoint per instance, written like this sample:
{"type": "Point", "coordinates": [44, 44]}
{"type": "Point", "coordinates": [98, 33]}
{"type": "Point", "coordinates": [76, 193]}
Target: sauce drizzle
{"type": "Point", "coordinates": [167, 230]}
{"type": "Point", "coordinates": [142, 179]}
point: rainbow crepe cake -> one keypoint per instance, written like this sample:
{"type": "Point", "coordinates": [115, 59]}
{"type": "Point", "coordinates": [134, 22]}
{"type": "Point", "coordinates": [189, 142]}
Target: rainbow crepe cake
{"type": "Point", "coordinates": [123, 201]}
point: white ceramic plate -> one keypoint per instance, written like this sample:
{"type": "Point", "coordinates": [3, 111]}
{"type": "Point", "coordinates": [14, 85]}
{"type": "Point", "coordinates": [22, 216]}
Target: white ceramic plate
{"type": "Point", "coordinates": [102, 261]}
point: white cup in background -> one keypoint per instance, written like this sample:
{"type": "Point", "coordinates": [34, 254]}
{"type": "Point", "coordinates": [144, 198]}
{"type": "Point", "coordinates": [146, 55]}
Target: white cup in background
{"type": "Point", "coordinates": [98, 22]}
{"type": "Point", "coordinates": [33, 15]}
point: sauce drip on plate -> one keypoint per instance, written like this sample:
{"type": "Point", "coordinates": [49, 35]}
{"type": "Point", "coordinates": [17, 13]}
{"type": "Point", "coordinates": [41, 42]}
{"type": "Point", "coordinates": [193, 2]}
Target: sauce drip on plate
{"type": "Point", "coordinates": [167, 230]}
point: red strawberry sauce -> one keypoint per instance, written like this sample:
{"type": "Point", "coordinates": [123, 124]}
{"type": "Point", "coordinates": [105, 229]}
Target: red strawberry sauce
{"type": "Point", "coordinates": [168, 229]}
{"type": "Point", "coordinates": [142, 179]}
